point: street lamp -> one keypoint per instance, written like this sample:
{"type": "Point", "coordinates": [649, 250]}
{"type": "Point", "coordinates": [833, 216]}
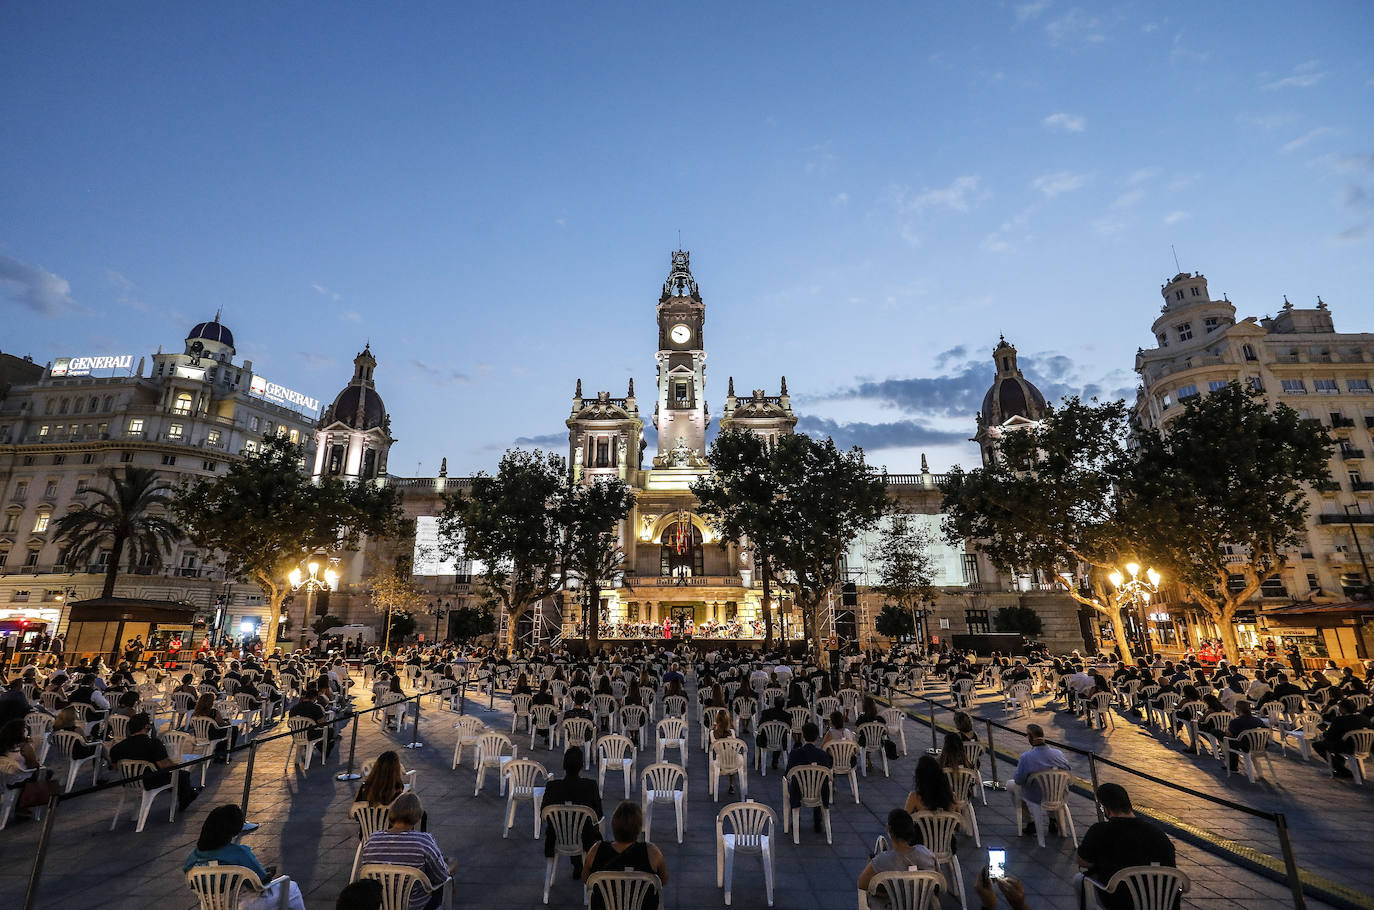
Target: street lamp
{"type": "Point", "coordinates": [314, 582]}
{"type": "Point", "coordinates": [440, 609]}
{"type": "Point", "coordinates": [1136, 593]}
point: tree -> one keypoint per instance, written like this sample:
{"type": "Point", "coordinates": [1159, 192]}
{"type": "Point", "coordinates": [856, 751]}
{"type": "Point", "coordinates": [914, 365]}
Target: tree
{"type": "Point", "coordinates": [1051, 502]}
{"type": "Point", "coordinates": [508, 524]}
{"type": "Point", "coordinates": [325, 623]}
{"type": "Point", "coordinates": [894, 622]}
{"type": "Point", "coordinates": [589, 517]}
{"type": "Point", "coordinates": [130, 516]}
{"type": "Point", "coordinates": [467, 623]}
{"type": "Point", "coordinates": [741, 498]}
{"type": "Point", "coordinates": [828, 499]}
{"type": "Point", "coordinates": [264, 515]}
{"type": "Point", "coordinates": [400, 625]}
{"type": "Point", "coordinates": [1018, 619]}
{"type": "Point", "coordinates": [1221, 493]}
{"type": "Point", "coordinates": [392, 592]}
{"type": "Point", "coordinates": [905, 570]}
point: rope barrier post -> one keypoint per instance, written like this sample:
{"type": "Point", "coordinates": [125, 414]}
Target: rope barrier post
{"type": "Point", "coordinates": [349, 773]}
{"type": "Point", "coordinates": [933, 746]}
{"type": "Point", "coordinates": [415, 729]}
{"type": "Point", "coordinates": [247, 785]}
{"type": "Point", "coordinates": [995, 783]}
{"type": "Point", "coordinates": [463, 696]}
{"type": "Point", "coordinates": [1290, 862]}
{"type": "Point", "coordinates": [44, 837]}
{"type": "Point", "coordinates": [491, 688]}
{"type": "Point", "coordinates": [1092, 772]}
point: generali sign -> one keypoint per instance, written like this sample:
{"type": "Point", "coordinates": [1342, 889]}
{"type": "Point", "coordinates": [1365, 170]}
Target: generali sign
{"type": "Point", "coordinates": [280, 394]}
{"type": "Point", "coordinates": [84, 366]}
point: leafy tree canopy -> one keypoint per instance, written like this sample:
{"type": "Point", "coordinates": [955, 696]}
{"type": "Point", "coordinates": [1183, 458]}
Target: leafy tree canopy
{"type": "Point", "coordinates": [894, 622]}
{"type": "Point", "coordinates": [589, 516]}
{"type": "Point", "coordinates": [1018, 619]}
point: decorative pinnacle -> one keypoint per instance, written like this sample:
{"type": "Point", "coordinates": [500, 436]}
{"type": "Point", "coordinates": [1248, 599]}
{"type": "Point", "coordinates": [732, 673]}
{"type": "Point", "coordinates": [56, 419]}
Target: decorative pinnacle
{"type": "Point", "coordinates": [631, 393]}
{"type": "Point", "coordinates": [578, 393]}
{"type": "Point", "coordinates": [783, 390]}
{"type": "Point", "coordinates": [731, 390]}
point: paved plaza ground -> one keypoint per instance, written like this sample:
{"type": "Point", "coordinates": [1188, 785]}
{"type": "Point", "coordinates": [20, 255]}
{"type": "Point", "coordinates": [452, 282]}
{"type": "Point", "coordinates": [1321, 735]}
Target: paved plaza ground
{"type": "Point", "coordinates": [306, 831]}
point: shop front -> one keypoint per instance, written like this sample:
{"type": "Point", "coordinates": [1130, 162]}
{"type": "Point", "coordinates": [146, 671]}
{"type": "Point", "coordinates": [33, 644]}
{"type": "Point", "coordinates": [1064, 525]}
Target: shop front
{"type": "Point", "coordinates": [103, 627]}
{"type": "Point", "coordinates": [1342, 633]}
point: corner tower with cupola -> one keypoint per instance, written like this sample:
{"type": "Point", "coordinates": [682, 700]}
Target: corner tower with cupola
{"type": "Point", "coordinates": [354, 434]}
{"type": "Point", "coordinates": [681, 415]}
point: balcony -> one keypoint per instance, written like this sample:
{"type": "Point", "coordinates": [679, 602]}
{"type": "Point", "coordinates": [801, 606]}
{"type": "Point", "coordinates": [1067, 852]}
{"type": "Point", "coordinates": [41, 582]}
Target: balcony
{"type": "Point", "coordinates": [1369, 422]}
{"type": "Point", "coordinates": [1340, 518]}
{"type": "Point", "coordinates": [1328, 486]}
{"type": "Point", "coordinates": [1350, 454]}
{"type": "Point", "coordinates": [1342, 422]}
{"type": "Point", "coordinates": [691, 581]}
{"type": "Point", "coordinates": [1362, 486]}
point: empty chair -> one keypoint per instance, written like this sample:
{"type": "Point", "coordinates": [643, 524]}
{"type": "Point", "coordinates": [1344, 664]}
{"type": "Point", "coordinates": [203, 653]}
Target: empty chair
{"type": "Point", "coordinates": [663, 784]}
{"type": "Point", "coordinates": [614, 750]}
{"type": "Point", "coordinates": [894, 718]}
{"type": "Point", "coordinates": [577, 731]}
{"type": "Point", "coordinates": [1302, 733]}
{"type": "Point", "coordinates": [846, 756]}
{"type": "Point", "coordinates": [1018, 700]}
{"type": "Point", "coordinates": [567, 823]}
{"type": "Point", "coordinates": [825, 706]}
{"type": "Point", "coordinates": [1054, 791]}
{"type": "Point", "coordinates": [399, 881]}
{"type": "Point", "coordinates": [623, 890]}
{"type": "Point", "coordinates": [181, 748]}
{"type": "Point", "coordinates": [728, 756]}
{"type": "Point", "coordinates": [910, 890]}
{"type": "Point", "coordinates": [671, 733]}
{"type": "Point", "coordinates": [470, 730]}
{"type": "Point", "coordinates": [963, 692]}
{"type": "Point", "coordinates": [963, 782]}
{"type": "Point", "coordinates": [1100, 711]}
{"type": "Point", "coordinates": [370, 819]}
{"type": "Point", "coordinates": [220, 887]}
{"type": "Point", "coordinates": [1150, 887]}
{"type": "Point", "coordinates": [799, 717]}
{"type": "Point", "coordinates": [775, 735]}
{"type": "Point", "coordinates": [937, 833]}
{"type": "Point", "coordinates": [524, 782]}
{"type": "Point", "coordinates": [133, 771]}
{"type": "Point", "coordinates": [751, 828]}
{"type": "Point", "coordinates": [492, 752]}
{"type": "Point", "coordinates": [813, 782]}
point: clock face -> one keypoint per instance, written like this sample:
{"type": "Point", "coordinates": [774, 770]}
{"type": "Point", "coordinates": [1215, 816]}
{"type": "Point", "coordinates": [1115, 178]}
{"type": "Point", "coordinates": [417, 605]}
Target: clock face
{"type": "Point", "coordinates": [680, 334]}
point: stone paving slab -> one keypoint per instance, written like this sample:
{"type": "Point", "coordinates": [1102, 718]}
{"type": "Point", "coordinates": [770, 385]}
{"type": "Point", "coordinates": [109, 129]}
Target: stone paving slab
{"type": "Point", "coordinates": [306, 832]}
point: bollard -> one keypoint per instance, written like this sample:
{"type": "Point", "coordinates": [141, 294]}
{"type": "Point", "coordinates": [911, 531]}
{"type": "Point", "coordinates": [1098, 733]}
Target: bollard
{"type": "Point", "coordinates": [934, 747]}
{"type": "Point", "coordinates": [995, 783]}
{"type": "Point", "coordinates": [247, 784]}
{"type": "Point", "coordinates": [415, 729]}
{"type": "Point", "coordinates": [463, 696]}
{"type": "Point", "coordinates": [1092, 772]}
{"type": "Point", "coordinates": [349, 773]}
{"type": "Point", "coordinates": [35, 873]}
{"type": "Point", "coordinates": [1290, 862]}
{"type": "Point", "coordinates": [491, 688]}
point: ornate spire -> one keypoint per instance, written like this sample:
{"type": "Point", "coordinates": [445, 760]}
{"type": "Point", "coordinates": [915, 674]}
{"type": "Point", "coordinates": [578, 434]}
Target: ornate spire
{"type": "Point", "coordinates": [783, 390]}
{"type": "Point", "coordinates": [680, 282]}
{"type": "Point", "coordinates": [731, 390]}
{"type": "Point", "coordinates": [925, 466]}
{"type": "Point", "coordinates": [578, 393]}
{"type": "Point", "coordinates": [443, 467]}
{"type": "Point", "coordinates": [631, 392]}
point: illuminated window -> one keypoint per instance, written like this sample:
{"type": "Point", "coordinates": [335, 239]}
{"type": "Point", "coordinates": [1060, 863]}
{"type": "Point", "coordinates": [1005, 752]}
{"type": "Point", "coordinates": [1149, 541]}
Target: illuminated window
{"type": "Point", "coordinates": [43, 431]}
{"type": "Point", "coordinates": [175, 431]}
{"type": "Point", "coordinates": [40, 524]}
{"type": "Point", "coordinates": [295, 436]}
{"type": "Point", "coordinates": [136, 425]}
{"type": "Point", "coordinates": [213, 437]}
{"type": "Point", "coordinates": [183, 404]}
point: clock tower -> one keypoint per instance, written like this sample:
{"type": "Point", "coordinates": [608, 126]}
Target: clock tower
{"type": "Point", "coordinates": [681, 415]}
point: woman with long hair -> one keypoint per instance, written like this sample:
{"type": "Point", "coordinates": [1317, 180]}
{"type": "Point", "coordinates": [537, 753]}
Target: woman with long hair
{"type": "Point", "coordinates": [216, 845]}
{"type": "Point", "coordinates": [220, 731]}
{"type": "Point", "coordinates": [930, 789]}
{"type": "Point", "coordinates": [954, 755]}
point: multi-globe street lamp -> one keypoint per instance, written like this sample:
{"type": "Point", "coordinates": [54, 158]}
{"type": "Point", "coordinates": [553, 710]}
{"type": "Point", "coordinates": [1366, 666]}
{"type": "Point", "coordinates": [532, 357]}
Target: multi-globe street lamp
{"type": "Point", "coordinates": [440, 609]}
{"type": "Point", "coordinates": [312, 583]}
{"type": "Point", "coordinates": [1135, 593]}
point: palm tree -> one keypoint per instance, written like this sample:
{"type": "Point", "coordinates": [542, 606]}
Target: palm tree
{"type": "Point", "coordinates": [124, 518]}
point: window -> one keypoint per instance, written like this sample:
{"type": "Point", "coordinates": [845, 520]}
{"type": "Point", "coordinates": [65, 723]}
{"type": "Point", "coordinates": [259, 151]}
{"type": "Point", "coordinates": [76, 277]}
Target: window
{"type": "Point", "coordinates": [1178, 295]}
{"type": "Point", "coordinates": [88, 458]}
{"type": "Point", "coordinates": [1196, 292]}
{"type": "Point", "coordinates": [169, 460]}
{"type": "Point", "coordinates": [1163, 340]}
{"type": "Point", "coordinates": [603, 453]}
{"type": "Point", "coordinates": [126, 457]}
{"type": "Point", "coordinates": [212, 437]}
{"type": "Point", "coordinates": [19, 596]}
{"type": "Point", "coordinates": [136, 425]}
{"type": "Point", "coordinates": [10, 524]}
{"type": "Point", "coordinates": [64, 406]}
{"type": "Point", "coordinates": [94, 405]}
{"type": "Point", "coordinates": [1257, 383]}
{"type": "Point", "coordinates": [977, 620]}
{"type": "Point", "coordinates": [182, 406]}
{"type": "Point", "coordinates": [1166, 403]}
{"type": "Point", "coordinates": [76, 406]}
{"type": "Point", "coordinates": [21, 490]}
{"type": "Point", "coordinates": [1294, 387]}
{"type": "Point", "coordinates": [295, 436]}
{"type": "Point", "coordinates": [83, 484]}
{"type": "Point", "coordinates": [40, 524]}
{"type": "Point", "coordinates": [1312, 583]}
{"type": "Point", "coordinates": [208, 465]}
{"type": "Point", "coordinates": [251, 446]}
{"type": "Point", "coordinates": [30, 559]}
{"type": "Point", "coordinates": [1185, 331]}
{"type": "Point", "coordinates": [59, 459]}
{"type": "Point", "coordinates": [43, 430]}
{"type": "Point", "coordinates": [28, 460]}
{"type": "Point", "coordinates": [680, 394]}
{"type": "Point", "coordinates": [1210, 324]}
{"type": "Point", "coordinates": [1326, 386]}
{"type": "Point", "coordinates": [970, 568]}
{"type": "Point", "coordinates": [1357, 386]}
{"type": "Point", "coordinates": [52, 406]}
{"type": "Point", "coordinates": [254, 423]}
{"type": "Point", "coordinates": [1216, 385]}
{"type": "Point", "coordinates": [1248, 352]}
{"type": "Point", "coordinates": [50, 491]}
{"type": "Point", "coordinates": [109, 402]}
{"type": "Point", "coordinates": [175, 431]}
{"type": "Point", "coordinates": [1187, 391]}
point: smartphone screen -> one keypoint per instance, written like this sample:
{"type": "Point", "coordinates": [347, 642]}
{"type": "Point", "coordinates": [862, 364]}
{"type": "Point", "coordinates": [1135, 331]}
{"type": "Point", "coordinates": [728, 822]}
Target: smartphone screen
{"type": "Point", "coordinates": [997, 863]}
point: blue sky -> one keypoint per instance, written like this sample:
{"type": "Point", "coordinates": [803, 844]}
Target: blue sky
{"type": "Point", "coordinates": [490, 193]}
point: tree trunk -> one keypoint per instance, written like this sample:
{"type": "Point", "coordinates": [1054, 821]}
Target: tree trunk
{"type": "Point", "coordinates": [112, 570]}
{"type": "Point", "coordinates": [767, 602]}
{"type": "Point", "coordinates": [1227, 627]}
{"type": "Point", "coordinates": [1118, 616]}
{"type": "Point", "coordinates": [593, 618]}
{"type": "Point", "coordinates": [274, 599]}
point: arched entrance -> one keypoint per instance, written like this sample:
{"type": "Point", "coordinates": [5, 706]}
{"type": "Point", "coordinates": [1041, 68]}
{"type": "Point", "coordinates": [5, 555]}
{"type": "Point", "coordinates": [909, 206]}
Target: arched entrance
{"type": "Point", "coordinates": [680, 553]}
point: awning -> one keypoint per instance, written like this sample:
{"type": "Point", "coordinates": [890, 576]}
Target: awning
{"type": "Point", "coordinates": [1348, 608]}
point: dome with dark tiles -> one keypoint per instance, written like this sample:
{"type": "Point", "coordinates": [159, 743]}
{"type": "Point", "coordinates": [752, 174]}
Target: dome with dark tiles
{"type": "Point", "coordinates": [212, 331]}
{"type": "Point", "coordinates": [359, 406]}
{"type": "Point", "coordinates": [1011, 394]}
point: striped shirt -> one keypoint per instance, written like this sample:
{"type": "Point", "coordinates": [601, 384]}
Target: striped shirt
{"type": "Point", "coordinates": [416, 849]}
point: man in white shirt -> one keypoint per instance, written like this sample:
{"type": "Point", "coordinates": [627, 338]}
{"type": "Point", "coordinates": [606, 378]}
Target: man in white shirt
{"type": "Point", "coordinates": [1078, 685]}
{"type": "Point", "coordinates": [1039, 757]}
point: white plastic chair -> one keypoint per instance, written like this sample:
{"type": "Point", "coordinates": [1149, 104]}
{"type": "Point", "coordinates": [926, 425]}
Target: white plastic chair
{"type": "Point", "coordinates": [544, 717]}
{"type": "Point", "coordinates": [491, 753]}
{"type": "Point", "coordinates": [708, 723]}
{"type": "Point", "coordinates": [894, 718]}
{"type": "Point", "coordinates": [846, 756]}
{"type": "Point", "coordinates": [181, 748]}
{"type": "Point", "coordinates": [1249, 748]}
{"type": "Point", "coordinates": [302, 748]}
{"type": "Point", "coordinates": [728, 756]}
{"type": "Point", "coordinates": [399, 881]}
{"type": "Point", "coordinates": [370, 819]}
{"type": "Point", "coordinates": [872, 734]}
{"type": "Point", "coordinates": [776, 734]}
{"type": "Point", "coordinates": [220, 887]}
{"type": "Point", "coordinates": [470, 730]}
{"type": "Point", "coordinates": [524, 781]}
{"type": "Point", "coordinates": [520, 710]}
{"type": "Point", "coordinates": [577, 731]}
{"type": "Point", "coordinates": [623, 890]}
{"type": "Point", "coordinates": [132, 771]}
{"type": "Point", "coordinates": [65, 742]}
{"type": "Point", "coordinates": [614, 750]}
{"type": "Point", "coordinates": [963, 782]}
{"type": "Point", "coordinates": [674, 706]}
{"type": "Point", "coordinates": [811, 782]}
{"type": "Point", "coordinates": [671, 733]}
{"type": "Point", "coordinates": [12, 778]}
{"type": "Point", "coordinates": [567, 822]}
{"type": "Point", "coordinates": [663, 784]}
{"type": "Point", "coordinates": [1302, 733]}
{"type": "Point", "coordinates": [1360, 743]}
{"type": "Point", "coordinates": [937, 833]}
{"type": "Point", "coordinates": [1100, 711]}
{"type": "Point", "coordinates": [752, 829]}
{"type": "Point", "coordinates": [1054, 791]}
{"type": "Point", "coordinates": [633, 719]}
{"type": "Point", "coordinates": [1151, 887]}
{"type": "Point", "coordinates": [910, 890]}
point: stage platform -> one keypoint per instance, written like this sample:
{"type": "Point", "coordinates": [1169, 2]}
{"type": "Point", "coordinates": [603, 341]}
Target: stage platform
{"type": "Point", "coordinates": [796, 646]}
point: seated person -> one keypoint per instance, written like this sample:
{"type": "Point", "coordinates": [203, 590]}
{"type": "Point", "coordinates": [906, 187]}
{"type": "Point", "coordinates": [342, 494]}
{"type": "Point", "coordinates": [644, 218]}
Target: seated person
{"type": "Point", "coordinates": [930, 790]}
{"type": "Point", "coordinates": [401, 845]}
{"type": "Point", "coordinates": [221, 733]}
{"type": "Point", "coordinates": [66, 720]}
{"type": "Point", "coordinates": [906, 852]}
{"type": "Point", "coordinates": [1244, 720]}
{"type": "Point", "coordinates": [625, 852]}
{"type": "Point", "coordinates": [573, 789]}
{"type": "Point", "coordinates": [309, 708]}
{"type": "Point", "coordinates": [1039, 757]}
{"type": "Point", "coordinates": [839, 734]}
{"type": "Point", "coordinates": [1333, 741]}
{"type": "Point", "coordinates": [1121, 841]}
{"type": "Point", "coordinates": [808, 753]}
{"type": "Point", "coordinates": [139, 744]}
{"type": "Point", "coordinates": [364, 894]}
{"type": "Point", "coordinates": [216, 845]}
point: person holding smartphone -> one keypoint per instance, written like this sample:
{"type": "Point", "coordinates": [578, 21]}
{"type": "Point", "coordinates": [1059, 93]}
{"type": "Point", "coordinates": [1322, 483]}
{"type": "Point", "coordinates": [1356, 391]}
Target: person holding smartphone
{"type": "Point", "coordinates": [1010, 886]}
